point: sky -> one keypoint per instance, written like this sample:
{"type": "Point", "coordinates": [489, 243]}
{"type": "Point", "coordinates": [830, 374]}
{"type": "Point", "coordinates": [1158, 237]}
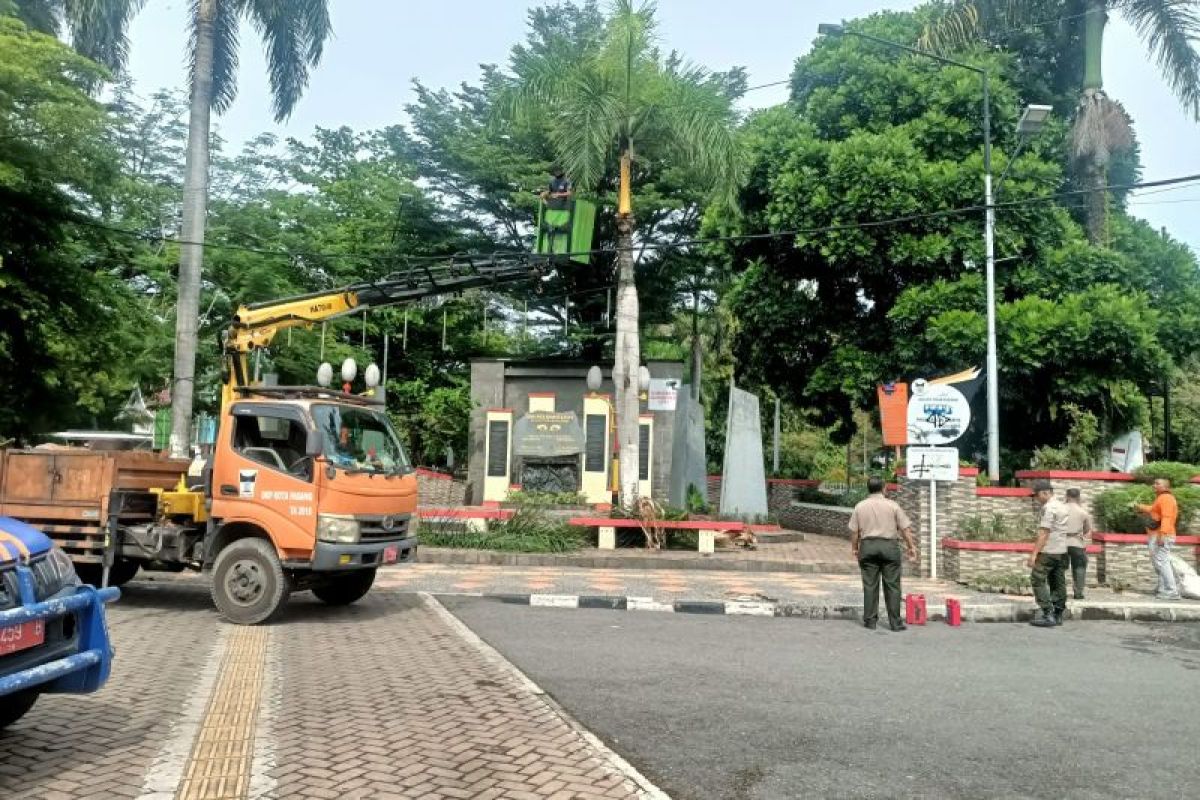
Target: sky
{"type": "Point", "coordinates": [380, 46]}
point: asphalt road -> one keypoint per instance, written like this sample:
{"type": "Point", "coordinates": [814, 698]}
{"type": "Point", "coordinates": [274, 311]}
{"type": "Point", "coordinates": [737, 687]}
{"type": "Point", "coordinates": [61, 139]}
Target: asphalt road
{"type": "Point", "coordinates": [748, 708]}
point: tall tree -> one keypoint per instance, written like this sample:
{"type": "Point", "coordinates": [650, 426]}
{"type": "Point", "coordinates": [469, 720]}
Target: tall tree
{"type": "Point", "coordinates": [98, 28]}
{"type": "Point", "coordinates": [621, 94]}
{"type": "Point", "coordinates": [294, 33]}
{"type": "Point", "coordinates": [1102, 129]}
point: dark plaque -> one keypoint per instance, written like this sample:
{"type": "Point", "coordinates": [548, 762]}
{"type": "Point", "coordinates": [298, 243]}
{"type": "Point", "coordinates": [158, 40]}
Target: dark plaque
{"type": "Point", "coordinates": [547, 434]}
{"type": "Point", "coordinates": [497, 466]}
{"type": "Point", "coordinates": [643, 452]}
{"type": "Point", "coordinates": [597, 427]}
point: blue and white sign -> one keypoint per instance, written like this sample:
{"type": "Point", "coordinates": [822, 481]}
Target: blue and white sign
{"type": "Point", "coordinates": [938, 414]}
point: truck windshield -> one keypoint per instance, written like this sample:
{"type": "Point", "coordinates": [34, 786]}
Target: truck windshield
{"type": "Point", "coordinates": [357, 439]}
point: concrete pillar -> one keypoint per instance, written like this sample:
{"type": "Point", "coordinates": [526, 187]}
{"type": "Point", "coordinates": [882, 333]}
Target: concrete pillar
{"type": "Point", "coordinates": [497, 454]}
{"type": "Point", "coordinates": [597, 431]}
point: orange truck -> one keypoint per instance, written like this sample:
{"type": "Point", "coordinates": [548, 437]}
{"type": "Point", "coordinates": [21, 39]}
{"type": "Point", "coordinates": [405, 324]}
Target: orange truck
{"type": "Point", "coordinates": [307, 487]}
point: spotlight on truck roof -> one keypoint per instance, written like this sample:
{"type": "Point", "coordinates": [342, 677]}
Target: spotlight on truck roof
{"type": "Point", "coordinates": [371, 376]}
{"type": "Point", "coordinates": [325, 374]}
{"type": "Point", "coordinates": [349, 370]}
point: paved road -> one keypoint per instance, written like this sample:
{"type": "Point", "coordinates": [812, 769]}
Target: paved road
{"type": "Point", "coordinates": [386, 699]}
{"type": "Point", "coordinates": [747, 708]}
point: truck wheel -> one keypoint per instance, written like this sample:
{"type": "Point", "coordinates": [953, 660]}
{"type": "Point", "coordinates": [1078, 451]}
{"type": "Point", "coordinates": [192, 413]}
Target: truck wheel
{"type": "Point", "coordinates": [342, 590]}
{"type": "Point", "coordinates": [248, 583]}
{"type": "Point", "coordinates": [15, 706]}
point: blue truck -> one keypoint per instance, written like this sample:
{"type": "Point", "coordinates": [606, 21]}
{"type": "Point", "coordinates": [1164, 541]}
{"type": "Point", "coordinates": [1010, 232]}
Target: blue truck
{"type": "Point", "coordinates": [53, 637]}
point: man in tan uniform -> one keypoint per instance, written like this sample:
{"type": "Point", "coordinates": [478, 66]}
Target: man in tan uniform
{"type": "Point", "coordinates": [1048, 561]}
{"type": "Point", "coordinates": [1079, 534]}
{"type": "Point", "coordinates": [876, 528]}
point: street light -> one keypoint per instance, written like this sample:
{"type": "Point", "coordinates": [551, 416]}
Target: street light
{"type": "Point", "coordinates": [1034, 117]}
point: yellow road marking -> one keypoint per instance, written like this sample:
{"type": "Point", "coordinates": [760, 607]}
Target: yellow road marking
{"type": "Point", "coordinates": [221, 759]}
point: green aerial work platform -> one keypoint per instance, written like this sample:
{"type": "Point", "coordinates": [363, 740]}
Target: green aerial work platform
{"type": "Point", "coordinates": [566, 232]}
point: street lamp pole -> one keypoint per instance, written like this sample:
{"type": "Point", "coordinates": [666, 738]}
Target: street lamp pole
{"type": "Point", "coordinates": [989, 243]}
{"type": "Point", "coordinates": [989, 232]}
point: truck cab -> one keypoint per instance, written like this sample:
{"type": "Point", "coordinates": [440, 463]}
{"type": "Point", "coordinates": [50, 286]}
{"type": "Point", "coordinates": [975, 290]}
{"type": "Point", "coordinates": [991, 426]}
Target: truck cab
{"type": "Point", "coordinates": [308, 489]}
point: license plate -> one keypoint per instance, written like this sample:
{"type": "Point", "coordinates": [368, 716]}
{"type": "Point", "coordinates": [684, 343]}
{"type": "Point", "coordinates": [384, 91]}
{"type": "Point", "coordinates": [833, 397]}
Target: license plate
{"type": "Point", "coordinates": [390, 554]}
{"type": "Point", "coordinates": [22, 637]}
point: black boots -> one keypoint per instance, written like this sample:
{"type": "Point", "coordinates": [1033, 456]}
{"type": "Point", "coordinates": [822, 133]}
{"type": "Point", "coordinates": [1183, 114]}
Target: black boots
{"type": "Point", "coordinates": [1043, 620]}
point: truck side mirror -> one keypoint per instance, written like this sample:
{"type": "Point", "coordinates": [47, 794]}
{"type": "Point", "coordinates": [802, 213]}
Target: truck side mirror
{"type": "Point", "coordinates": [313, 444]}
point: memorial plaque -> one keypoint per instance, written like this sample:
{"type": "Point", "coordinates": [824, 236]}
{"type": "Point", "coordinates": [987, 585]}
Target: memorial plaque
{"type": "Point", "coordinates": [497, 465]}
{"type": "Point", "coordinates": [643, 452]}
{"type": "Point", "coordinates": [547, 434]}
{"type": "Point", "coordinates": [594, 456]}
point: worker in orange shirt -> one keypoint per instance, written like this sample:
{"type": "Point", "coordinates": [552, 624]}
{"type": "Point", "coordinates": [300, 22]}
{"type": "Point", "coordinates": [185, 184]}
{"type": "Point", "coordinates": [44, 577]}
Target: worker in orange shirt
{"type": "Point", "coordinates": [1164, 514]}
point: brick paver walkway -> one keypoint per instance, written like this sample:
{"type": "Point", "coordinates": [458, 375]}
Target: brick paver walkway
{"type": "Point", "coordinates": [381, 700]}
{"type": "Point", "coordinates": [384, 699]}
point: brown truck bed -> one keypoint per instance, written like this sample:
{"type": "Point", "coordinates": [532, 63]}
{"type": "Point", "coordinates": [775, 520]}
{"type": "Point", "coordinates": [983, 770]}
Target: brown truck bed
{"type": "Point", "coordinates": [67, 492]}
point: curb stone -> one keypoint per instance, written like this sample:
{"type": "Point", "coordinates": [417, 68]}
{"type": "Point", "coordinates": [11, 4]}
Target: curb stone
{"type": "Point", "coordinates": [971, 612]}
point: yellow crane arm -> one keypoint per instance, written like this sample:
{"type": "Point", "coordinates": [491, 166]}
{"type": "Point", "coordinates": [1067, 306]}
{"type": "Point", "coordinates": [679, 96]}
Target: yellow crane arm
{"type": "Point", "coordinates": [255, 325]}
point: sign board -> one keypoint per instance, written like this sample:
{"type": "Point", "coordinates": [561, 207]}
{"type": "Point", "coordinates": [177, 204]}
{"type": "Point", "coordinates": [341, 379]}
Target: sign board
{"type": "Point", "coordinates": [893, 413]}
{"type": "Point", "coordinates": [663, 394]}
{"type": "Point", "coordinates": [931, 463]}
{"type": "Point", "coordinates": [548, 434]}
{"type": "Point", "coordinates": [938, 414]}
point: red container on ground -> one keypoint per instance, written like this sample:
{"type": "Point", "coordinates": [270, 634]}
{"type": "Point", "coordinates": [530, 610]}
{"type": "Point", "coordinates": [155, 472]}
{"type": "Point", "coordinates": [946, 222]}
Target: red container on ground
{"type": "Point", "coordinates": [914, 609]}
{"type": "Point", "coordinates": [953, 612]}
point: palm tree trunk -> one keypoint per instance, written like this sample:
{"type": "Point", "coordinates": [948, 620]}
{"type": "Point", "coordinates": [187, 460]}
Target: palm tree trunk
{"type": "Point", "coordinates": [1096, 207]}
{"type": "Point", "coordinates": [627, 360]}
{"type": "Point", "coordinates": [195, 210]}
{"type": "Point", "coordinates": [1095, 18]}
{"type": "Point", "coordinates": [1095, 173]}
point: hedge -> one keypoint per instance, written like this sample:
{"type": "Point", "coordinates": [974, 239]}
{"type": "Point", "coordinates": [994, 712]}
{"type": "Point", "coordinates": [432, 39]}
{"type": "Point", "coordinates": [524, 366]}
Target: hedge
{"type": "Point", "coordinates": [1114, 514]}
{"type": "Point", "coordinates": [1177, 473]}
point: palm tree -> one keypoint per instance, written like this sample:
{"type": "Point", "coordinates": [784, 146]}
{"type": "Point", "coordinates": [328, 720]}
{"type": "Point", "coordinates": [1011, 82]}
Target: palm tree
{"type": "Point", "coordinates": [294, 32]}
{"type": "Point", "coordinates": [1171, 31]}
{"type": "Point", "coordinates": [602, 103]}
{"type": "Point", "coordinates": [98, 28]}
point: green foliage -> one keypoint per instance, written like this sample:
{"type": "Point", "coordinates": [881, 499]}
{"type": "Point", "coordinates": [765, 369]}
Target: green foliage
{"type": "Point", "coordinates": [1080, 452]}
{"type": "Point", "coordinates": [58, 285]}
{"type": "Point", "coordinates": [808, 451]}
{"type": "Point", "coordinates": [846, 499]}
{"type": "Point", "coordinates": [1177, 473]}
{"type": "Point", "coordinates": [526, 499]}
{"type": "Point", "coordinates": [995, 528]}
{"type": "Point", "coordinates": [529, 530]}
{"type": "Point", "coordinates": [697, 501]}
{"type": "Point", "coordinates": [1114, 511]}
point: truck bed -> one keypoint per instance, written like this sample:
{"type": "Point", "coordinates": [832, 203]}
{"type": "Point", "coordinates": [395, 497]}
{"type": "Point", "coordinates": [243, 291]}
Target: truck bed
{"type": "Point", "coordinates": [69, 493]}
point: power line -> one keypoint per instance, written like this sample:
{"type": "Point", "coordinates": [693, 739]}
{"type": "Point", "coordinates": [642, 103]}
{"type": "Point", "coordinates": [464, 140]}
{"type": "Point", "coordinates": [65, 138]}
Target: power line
{"type": "Point", "coordinates": [687, 243]}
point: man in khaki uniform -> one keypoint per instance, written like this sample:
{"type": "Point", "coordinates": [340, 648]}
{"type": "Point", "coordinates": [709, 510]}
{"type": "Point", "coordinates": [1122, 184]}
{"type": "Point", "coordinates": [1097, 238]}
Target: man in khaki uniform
{"type": "Point", "coordinates": [1048, 561]}
{"type": "Point", "coordinates": [1079, 533]}
{"type": "Point", "coordinates": [876, 528]}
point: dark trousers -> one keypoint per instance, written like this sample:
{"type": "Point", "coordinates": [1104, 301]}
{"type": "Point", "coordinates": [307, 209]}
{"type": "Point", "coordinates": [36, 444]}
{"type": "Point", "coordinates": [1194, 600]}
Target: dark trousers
{"type": "Point", "coordinates": [880, 558]}
{"type": "Point", "coordinates": [1078, 558]}
{"type": "Point", "coordinates": [1049, 579]}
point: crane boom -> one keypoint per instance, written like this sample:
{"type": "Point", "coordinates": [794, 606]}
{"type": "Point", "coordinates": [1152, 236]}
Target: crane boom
{"type": "Point", "coordinates": [255, 325]}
